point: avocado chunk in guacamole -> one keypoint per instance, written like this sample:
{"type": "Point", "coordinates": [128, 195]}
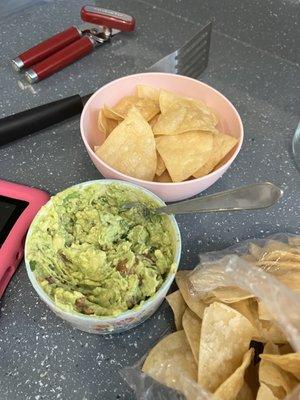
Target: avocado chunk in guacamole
{"type": "Point", "coordinates": [92, 256]}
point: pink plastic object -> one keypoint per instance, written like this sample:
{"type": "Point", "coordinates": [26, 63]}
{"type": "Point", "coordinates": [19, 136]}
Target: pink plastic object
{"type": "Point", "coordinates": [12, 250]}
{"type": "Point", "coordinates": [110, 94]}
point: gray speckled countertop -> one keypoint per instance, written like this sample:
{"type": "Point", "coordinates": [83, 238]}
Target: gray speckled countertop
{"type": "Point", "coordinates": [253, 61]}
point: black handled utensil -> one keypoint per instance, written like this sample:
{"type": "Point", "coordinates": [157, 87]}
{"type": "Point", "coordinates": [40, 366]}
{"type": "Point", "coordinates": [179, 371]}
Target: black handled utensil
{"type": "Point", "coordinates": [26, 122]}
{"type": "Point", "coordinates": [190, 60]}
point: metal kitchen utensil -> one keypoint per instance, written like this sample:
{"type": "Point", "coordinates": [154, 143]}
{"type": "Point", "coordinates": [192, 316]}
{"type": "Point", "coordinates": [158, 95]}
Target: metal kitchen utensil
{"type": "Point", "coordinates": [64, 48]}
{"type": "Point", "coordinates": [189, 60]}
{"type": "Point", "coordinates": [250, 197]}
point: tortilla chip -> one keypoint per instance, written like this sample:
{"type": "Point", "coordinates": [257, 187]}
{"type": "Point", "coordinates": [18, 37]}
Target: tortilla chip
{"type": "Point", "coordinates": [111, 125]}
{"type": "Point", "coordinates": [222, 145]}
{"type": "Point", "coordinates": [280, 260]}
{"type": "Point", "coordinates": [229, 389]}
{"type": "Point", "coordinates": [145, 106]}
{"type": "Point", "coordinates": [287, 362]}
{"type": "Point", "coordinates": [228, 295]}
{"type": "Point", "coordinates": [248, 308]}
{"type": "Point", "coordinates": [281, 255]}
{"type": "Point", "coordinates": [280, 382]}
{"type": "Point", "coordinates": [272, 245]}
{"type": "Point", "coordinates": [294, 241]}
{"type": "Point", "coordinates": [178, 306]}
{"type": "Point", "coordinates": [255, 250]}
{"type": "Point", "coordinates": [192, 301]}
{"type": "Point", "coordinates": [265, 393]}
{"type": "Point", "coordinates": [179, 115]}
{"type": "Point", "coordinates": [161, 166]}
{"type": "Point", "coordinates": [167, 100]}
{"type": "Point", "coordinates": [278, 267]}
{"type": "Point", "coordinates": [180, 120]}
{"type": "Point", "coordinates": [153, 120]}
{"type": "Point", "coordinates": [249, 258]}
{"type": "Point", "coordinates": [111, 114]}
{"type": "Point", "coordinates": [231, 294]}
{"type": "Point", "coordinates": [184, 154]}
{"type": "Point", "coordinates": [237, 298]}
{"type": "Point", "coordinates": [291, 279]}
{"type": "Point", "coordinates": [106, 125]}
{"type": "Point", "coordinates": [192, 328]}
{"type": "Point", "coordinates": [148, 92]}
{"type": "Point", "coordinates": [225, 338]}
{"type": "Point", "coordinates": [130, 148]}
{"type": "Point", "coordinates": [287, 272]}
{"type": "Point", "coordinates": [270, 332]}
{"type": "Point", "coordinates": [101, 119]}
{"type": "Point", "coordinates": [245, 393]}
{"type": "Point", "coordinates": [285, 349]}
{"type": "Point", "coordinates": [174, 352]}
{"type": "Point", "coordinates": [263, 312]}
{"type": "Point", "coordinates": [265, 330]}
{"type": "Point", "coordinates": [164, 177]}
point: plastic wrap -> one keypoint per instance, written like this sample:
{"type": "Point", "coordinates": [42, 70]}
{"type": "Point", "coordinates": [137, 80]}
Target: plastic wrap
{"type": "Point", "coordinates": [149, 387]}
{"type": "Point", "coordinates": [250, 266]}
{"type": "Point", "coordinates": [265, 269]}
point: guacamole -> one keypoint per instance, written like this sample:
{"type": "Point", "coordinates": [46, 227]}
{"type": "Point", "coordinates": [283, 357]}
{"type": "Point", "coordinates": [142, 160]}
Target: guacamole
{"type": "Point", "coordinates": [92, 256]}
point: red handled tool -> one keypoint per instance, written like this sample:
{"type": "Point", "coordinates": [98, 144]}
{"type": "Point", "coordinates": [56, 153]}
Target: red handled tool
{"type": "Point", "coordinates": [64, 48]}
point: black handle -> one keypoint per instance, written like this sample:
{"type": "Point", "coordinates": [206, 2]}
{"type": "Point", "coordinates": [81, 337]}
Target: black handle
{"type": "Point", "coordinates": [26, 122]}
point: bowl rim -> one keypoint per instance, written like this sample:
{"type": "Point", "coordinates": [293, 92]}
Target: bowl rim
{"type": "Point", "coordinates": [142, 181]}
{"type": "Point", "coordinates": [129, 313]}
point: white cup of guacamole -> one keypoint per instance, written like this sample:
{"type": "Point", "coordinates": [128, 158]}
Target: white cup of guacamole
{"type": "Point", "coordinates": [97, 265]}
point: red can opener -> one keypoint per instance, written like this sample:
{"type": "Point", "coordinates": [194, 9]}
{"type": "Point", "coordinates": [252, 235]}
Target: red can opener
{"type": "Point", "coordinates": [64, 48]}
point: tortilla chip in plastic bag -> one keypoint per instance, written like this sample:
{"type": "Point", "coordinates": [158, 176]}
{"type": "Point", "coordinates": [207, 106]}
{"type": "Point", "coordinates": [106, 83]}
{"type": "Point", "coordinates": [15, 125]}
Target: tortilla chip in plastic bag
{"type": "Point", "coordinates": [229, 389]}
{"type": "Point", "coordinates": [173, 351]}
{"type": "Point", "coordinates": [192, 328]}
{"type": "Point", "coordinates": [225, 338]}
{"type": "Point", "coordinates": [178, 306]}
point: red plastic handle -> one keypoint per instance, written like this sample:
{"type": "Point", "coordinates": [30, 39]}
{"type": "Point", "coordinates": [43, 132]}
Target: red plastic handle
{"type": "Point", "coordinates": [110, 19]}
{"type": "Point", "coordinates": [49, 46]}
{"type": "Point", "coordinates": [63, 58]}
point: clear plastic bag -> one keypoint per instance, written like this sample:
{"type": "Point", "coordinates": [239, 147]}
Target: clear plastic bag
{"type": "Point", "coordinates": [265, 268]}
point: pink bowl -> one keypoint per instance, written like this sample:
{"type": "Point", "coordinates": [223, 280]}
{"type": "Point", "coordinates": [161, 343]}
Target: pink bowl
{"type": "Point", "coordinates": [110, 94]}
